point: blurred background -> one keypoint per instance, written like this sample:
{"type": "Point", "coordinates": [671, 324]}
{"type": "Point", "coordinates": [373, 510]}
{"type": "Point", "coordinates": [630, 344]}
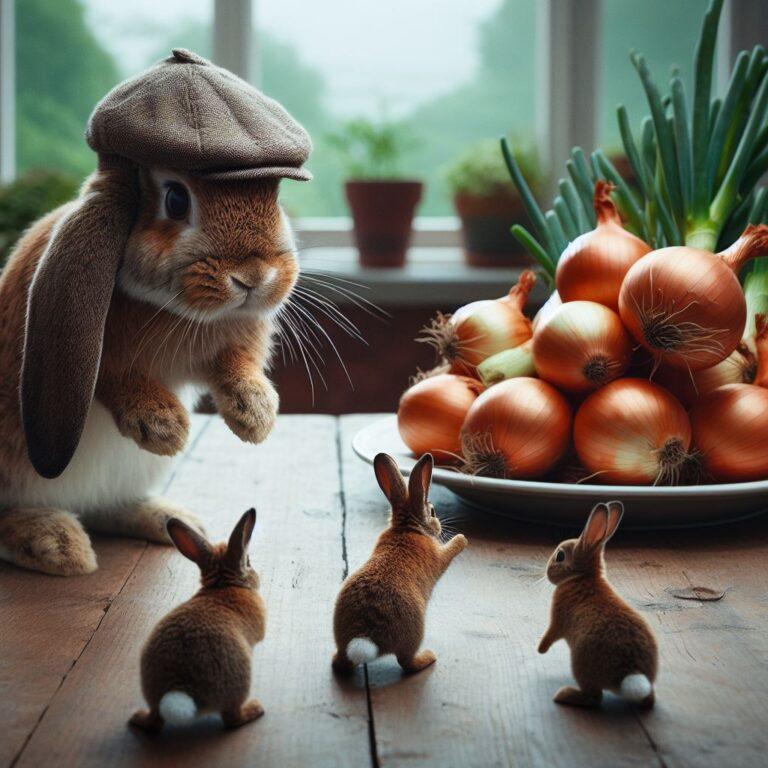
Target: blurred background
{"type": "Point", "coordinates": [407, 89]}
{"type": "Point", "coordinates": [448, 73]}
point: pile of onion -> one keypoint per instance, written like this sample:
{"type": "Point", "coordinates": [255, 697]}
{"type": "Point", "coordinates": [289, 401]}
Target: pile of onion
{"type": "Point", "coordinates": [686, 305]}
{"type": "Point", "coordinates": [519, 428]}
{"type": "Point", "coordinates": [483, 328]}
{"type": "Point", "coordinates": [593, 266]}
{"type": "Point", "coordinates": [581, 346]}
{"type": "Point", "coordinates": [431, 413]}
{"type": "Point", "coordinates": [633, 432]}
{"type": "Point", "coordinates": [730, 424]}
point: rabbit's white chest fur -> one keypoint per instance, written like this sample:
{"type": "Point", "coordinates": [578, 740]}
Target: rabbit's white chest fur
{"type": "Point", "coordinates": [106, 470]}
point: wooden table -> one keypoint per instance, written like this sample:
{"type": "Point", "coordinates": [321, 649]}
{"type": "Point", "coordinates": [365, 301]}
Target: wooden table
{"type": "Point", "coordinates": [69, 648]}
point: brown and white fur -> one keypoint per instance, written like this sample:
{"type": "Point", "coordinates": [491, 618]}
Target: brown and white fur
{"type": "Point", "coordinates": [98, 414]}
{"type": "Point", "coordinates": [381, 606]}
{"type": "Point", "coordinates": [612, 646]}
{"type": "Point", "coordinates": [198, 657]}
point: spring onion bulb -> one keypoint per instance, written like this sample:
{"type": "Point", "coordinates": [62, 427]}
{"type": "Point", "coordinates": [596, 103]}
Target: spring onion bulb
{"type": "Point", "coordinates": [508, 364]}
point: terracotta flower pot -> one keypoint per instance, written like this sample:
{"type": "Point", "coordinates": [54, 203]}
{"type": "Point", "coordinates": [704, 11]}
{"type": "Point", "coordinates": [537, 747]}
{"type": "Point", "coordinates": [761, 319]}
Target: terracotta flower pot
{"type": "Point", "coordinates": [485, 225]}
{"type": "Point", "coordinates": [382, 212]}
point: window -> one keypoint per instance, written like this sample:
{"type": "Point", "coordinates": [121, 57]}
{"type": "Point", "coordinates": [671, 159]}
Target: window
{"type": "Point", "coordinates": [665, 33]}
{"type": "Point", "coordinates": [449, 73]}
{"type": "Point", "coordinates": [69, 54]}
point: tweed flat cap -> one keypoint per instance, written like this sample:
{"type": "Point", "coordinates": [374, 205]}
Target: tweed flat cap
{"type": "Point", "coordinates": [186, 113]}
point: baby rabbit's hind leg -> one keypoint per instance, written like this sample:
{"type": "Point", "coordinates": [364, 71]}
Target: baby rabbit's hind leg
{"type": "Point", "coordinates": [149, 720]}
{"type": "Point", "coordinates": [140, 519]}
{"type": "Point", "coordinates": [341, 664]}
{"type": "Point", "coordinates": [47, 540]}
{"type": "Point", "coordinates": [415, 663]}
{"type": "Point", "coordinates": [578, 697]}
{"type": "Point", "coordinates": [246, 713]}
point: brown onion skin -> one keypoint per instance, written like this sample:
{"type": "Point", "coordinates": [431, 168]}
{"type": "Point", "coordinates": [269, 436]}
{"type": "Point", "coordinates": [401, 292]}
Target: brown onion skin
{"type": "Point", "coordinates": [700, 295]}
{"type": "Point", "coordinates": [730, 429]}
{"type": "Point", "coordinates": [761, 345]}
{"type": "Point", "coordinates": [528, 420]}
{"type": "Point", "coordinates": [690, 386]}
{"type": "Point", "coordinates": [431, 413]}
{"type": "Point", "coordinates": [699, 290]}
{"type": "Point", "coordinates": [632, 413]}
{"type": "Point", "coordinates": [573, 336]}
{"type": "Point", "coordinates": [547, 309]}
{"type": "Point", "coordinates": [485, 328]}
{"type": "Point", "coordinates": [593, 266]}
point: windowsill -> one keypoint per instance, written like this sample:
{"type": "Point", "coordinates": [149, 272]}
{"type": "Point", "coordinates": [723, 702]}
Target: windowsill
{"type": "Point", "coordinates": [436, 277]}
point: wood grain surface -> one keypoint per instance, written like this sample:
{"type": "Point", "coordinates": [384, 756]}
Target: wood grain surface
{"type": "Point", "coordinates": [69, 648]}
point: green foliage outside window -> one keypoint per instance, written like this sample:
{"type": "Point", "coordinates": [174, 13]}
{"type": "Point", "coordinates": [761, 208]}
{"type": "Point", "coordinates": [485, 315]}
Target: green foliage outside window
{"type": "Point", "coordinates": [29, 197]}
{"type": "Point", "coordinates": [370, 150]}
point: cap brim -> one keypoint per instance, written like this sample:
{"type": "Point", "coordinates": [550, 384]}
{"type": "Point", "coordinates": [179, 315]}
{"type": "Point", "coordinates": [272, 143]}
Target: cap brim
{"type": "Point", "coordinates": [276, 172]}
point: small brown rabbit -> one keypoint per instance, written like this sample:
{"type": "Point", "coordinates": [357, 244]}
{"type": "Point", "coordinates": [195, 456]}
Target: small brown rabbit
{"type": "Point", "coordinates": [198, 657]}
{"type": "Point", "coordinates": [381, 606]}
{"type": "Point", "coordinates": [612, 646]}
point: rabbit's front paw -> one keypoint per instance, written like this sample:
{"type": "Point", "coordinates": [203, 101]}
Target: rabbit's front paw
{"type": "Point", "coordinates": [249, 409]}
{"type": "Point", "coordinates": [159, 426]}
{"type": "Point", "coordinates": [460, 541]}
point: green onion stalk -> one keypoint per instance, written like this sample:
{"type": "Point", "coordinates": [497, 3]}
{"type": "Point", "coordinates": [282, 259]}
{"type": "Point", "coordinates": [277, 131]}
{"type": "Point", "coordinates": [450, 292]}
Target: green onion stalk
{"type": "Point", "coordinates": [697, 166]}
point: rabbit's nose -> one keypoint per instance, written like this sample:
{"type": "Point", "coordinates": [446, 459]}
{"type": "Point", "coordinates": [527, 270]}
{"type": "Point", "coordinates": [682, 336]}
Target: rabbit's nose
{"type": "Point", "coordinates": [240, 285]}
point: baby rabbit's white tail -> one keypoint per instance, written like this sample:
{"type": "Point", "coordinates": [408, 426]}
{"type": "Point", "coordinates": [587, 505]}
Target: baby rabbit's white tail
{"type": "Point", "coordinates": [177, 708]}
{"type": "Point", "coordinates": [636, 688]}
{"type": "Point", "coordinates": [361, 650]}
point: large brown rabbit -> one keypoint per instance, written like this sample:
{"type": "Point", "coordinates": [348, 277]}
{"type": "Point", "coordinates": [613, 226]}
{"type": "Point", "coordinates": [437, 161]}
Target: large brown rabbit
{"type": "Point", "coordinates": [381, 606]}
{"type": "Point", "coordinates": [152, 280]}
{"type": "Point", "coordinates": [612, 646]}
{"type": "Point", "coordinates": [198, 657]}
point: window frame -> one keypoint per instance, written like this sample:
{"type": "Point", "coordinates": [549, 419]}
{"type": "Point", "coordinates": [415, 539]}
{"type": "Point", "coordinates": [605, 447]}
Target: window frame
{"type": "Point", "coordinates": [564, 32]}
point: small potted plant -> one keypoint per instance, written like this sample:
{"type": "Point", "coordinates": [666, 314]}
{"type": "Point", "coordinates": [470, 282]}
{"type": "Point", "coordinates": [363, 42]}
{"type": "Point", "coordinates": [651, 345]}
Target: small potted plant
{"type": "Point", "coordinates": [488, 204]}
{"type": "Point", "coordinates": [381, 200]}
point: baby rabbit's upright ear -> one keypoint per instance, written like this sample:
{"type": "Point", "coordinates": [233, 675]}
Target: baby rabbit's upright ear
{"type": "Point", "coordinates": [188, 541]}
{"type": "Point", "coordinates": [390, 480]}
{"type": "Point", "coordinates": [66, 311]}
{"type": "Point", "coordinates": [601, 525]}
{"type": "Point", "coordinates": [419, 482]}
{"type": "Point", "coordinates": [615, 513]}
{"type": "Point", "coordinates": [240, 538]}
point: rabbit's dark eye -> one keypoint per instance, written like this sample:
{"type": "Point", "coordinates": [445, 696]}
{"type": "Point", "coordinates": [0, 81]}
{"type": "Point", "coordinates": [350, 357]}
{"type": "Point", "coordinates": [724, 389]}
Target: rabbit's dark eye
{"type": "Point", "coordinates": [432, 510]}
{"type": "Point", "coordinates": [560, 556]}
{"type": "Point", "coordinates": [176, 201]}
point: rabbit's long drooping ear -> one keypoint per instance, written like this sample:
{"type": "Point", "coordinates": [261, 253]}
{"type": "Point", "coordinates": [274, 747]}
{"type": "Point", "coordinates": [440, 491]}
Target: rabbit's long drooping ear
{"type": "Point", "coordinates": [418, 483]}
{"type": "Point", "coordinates": [66, 311]}
{"type": "Point", "coordinates": [390, 480]}
{"type": "Point", "coordinates": [188, 541]}
{"type": "Point", "coordinates": [240, 538]}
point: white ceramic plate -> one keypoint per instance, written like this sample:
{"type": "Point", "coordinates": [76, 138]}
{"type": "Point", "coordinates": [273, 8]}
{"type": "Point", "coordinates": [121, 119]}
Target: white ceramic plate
{"type": "Point", "coordinates": [566, 503]}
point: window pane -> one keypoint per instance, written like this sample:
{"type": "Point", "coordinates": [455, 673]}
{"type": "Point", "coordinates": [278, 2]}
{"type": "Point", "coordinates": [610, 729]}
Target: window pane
{"type": "Point", "coordinates": [666, 33]}
{"type": "Point", "coordinates": [70, 53]}
{"type": "Point", "coordinates": [450, 73]}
